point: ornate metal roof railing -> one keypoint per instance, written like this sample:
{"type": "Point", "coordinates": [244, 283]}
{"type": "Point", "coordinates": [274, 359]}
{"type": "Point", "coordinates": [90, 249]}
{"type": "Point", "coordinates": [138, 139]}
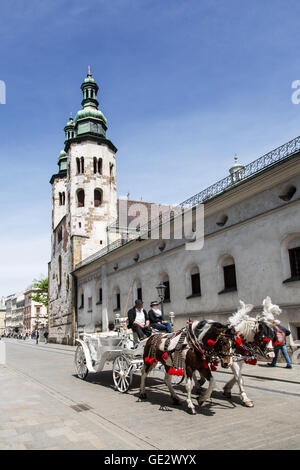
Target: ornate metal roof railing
{"type": "Point", "coordinates": [266, 161]}
{"type": "Point", "coordinates": [253, 168]}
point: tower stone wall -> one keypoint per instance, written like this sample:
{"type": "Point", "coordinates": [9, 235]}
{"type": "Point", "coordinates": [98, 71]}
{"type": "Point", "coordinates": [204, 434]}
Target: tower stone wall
{"type": "Point", "coordinates": [84, 203]}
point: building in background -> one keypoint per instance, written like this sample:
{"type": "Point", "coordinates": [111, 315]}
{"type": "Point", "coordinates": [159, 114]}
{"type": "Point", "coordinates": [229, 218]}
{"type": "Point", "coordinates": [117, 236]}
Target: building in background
{"type": "Point", "coordinates": [8, 314]}
{"type": "Point", "coordinates": [35, 314]}
{"type": "Point", "coordinates": [2, 315]}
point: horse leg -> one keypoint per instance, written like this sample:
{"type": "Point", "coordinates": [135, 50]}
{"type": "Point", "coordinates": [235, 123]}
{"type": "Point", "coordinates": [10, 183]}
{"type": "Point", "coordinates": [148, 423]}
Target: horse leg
{"type": "Point", "coordinates": [205, 373]}
{"type": "Point", "coordinates": [198, 383]}
{"type": "Point", "coordinates": [145, 371]}
{"type": "Point", "coordinates": [228, 386]}
{"type": "Point", "coordinates": [189, 387]}
{"type": "Point", "coordinates": [175, 397]}
{"type": "Point", "coordinates": [237, 372]}
{"type": "Point", "coordinates": [246, 401]}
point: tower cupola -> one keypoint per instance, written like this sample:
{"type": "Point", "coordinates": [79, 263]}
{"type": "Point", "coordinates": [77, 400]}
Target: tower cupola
{"type": "Point", "coordinates": [89, 90]}
{"type": "Point", "coordinates": [63, 161]}
{"type": "Point", "coordinates": [237, 171]}
{"type": "Point", "coordinates": [70, 129]}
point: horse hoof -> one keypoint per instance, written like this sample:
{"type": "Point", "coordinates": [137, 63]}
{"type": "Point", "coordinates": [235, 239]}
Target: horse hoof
{"type": "Point", "coordinates": [200, 402]}
{"type": "Point", "coordinates": [142, 396]}
{"type": "Point", "coordinates": [248, 404]}
{"type": "Point", "coordinates": [192, 411]}
{"type": "Point", "coordinates": [227, 394]}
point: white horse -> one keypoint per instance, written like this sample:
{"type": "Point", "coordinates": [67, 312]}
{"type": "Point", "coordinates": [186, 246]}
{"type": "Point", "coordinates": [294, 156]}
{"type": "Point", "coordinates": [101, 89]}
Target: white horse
{"type": "Point", "coordinates": [252, 330]}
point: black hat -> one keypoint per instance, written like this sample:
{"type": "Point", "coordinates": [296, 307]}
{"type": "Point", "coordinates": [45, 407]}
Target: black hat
{"type": "Point", "coordinates": [154, 303]}
{"type": "Point", "coordinates": [139, 302]}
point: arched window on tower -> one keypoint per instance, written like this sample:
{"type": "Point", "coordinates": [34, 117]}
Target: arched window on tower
{"type": "Point", "coordinates": [82, 164]}
{"type": "Point", "coordinates": [59, 277]}
{"type": "Point", "coordinates": [78, 165]}
{"type": "Point", "coordinates": [111, 168]}
{"type": "Point", "coordinates": [62, 199]}
{"type": "Point", "coordinates": [95, 164]}
{"type": "Point", "coordinates": [80, 198]}
{"type": "Point", "coordinates": [100, 166]}
{"type": "Point", "coordinates": [97, 197]}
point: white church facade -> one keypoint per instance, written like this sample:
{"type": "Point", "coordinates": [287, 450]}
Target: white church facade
{"type": "Point", "coordinates": [251, 239]}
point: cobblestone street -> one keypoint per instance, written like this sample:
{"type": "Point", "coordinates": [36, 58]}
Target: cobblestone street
{"type": "Point", "coordinates": [45, 406]}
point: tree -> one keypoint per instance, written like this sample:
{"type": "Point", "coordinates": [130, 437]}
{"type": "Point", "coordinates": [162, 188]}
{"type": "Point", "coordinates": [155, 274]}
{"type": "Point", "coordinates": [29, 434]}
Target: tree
{"type": "Point", "coordinates": [41, 291]}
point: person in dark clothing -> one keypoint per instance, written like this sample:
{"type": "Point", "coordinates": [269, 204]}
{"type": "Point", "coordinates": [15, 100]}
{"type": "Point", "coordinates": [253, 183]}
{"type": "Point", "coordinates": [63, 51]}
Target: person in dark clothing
{"type": "Point", "coordinates": [280, 333]}
{"type": "Point", "coordinates": [46, 334]}
{"type": "Point", "coordinates": [157, 320]}
{"type": "Point", "coordinates": [138, 320]}
{"type": "Point", "coordinates": [37, 335]}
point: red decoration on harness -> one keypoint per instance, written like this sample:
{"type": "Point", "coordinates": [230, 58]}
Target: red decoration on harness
{"type": "Point", "coordinates": [205, 365]}
{"type": "Point", "coordinates": [213, 368]}
{"type": "Point", "coordinates": [252, 362]}
{"type": "Point", "coordinates": [147, 359]}
{"type": "Point", "coordinates": [215, 363]}
{"type": "Point", "coordinates": [238, 340]}
{"type": "Point", "coordinates": [266, 340]}
{"type": "Point", "coordinates": [165, 356]}
{"type": "Point", "coordinates": [276, 343]}
{"type": "Point", "coordinates": [211, 343]}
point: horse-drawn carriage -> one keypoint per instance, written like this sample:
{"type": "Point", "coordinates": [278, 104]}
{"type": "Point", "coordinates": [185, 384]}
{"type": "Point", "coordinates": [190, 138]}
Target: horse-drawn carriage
{"type": "Point", "coordinates": [196, 348]}
{"type": "Point", "coordinates": [119, 349]}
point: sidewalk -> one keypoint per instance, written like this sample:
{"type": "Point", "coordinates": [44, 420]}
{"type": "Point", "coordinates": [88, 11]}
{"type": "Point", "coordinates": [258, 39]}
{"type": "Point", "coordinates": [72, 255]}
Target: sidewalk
{"type": "Point", "coordinates": [34, 417]}
{"type": "Point", "coordinates": [278, 373]}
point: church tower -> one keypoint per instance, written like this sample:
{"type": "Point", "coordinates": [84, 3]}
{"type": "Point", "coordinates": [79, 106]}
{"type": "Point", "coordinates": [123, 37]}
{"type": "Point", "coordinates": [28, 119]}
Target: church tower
{"type": "Point", "coordinates": [84, 203]}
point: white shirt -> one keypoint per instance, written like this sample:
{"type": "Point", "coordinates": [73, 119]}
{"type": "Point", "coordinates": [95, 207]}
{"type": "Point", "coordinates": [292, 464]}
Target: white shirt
{"type": "Point", "coordinates": [140, 316]}
{"type": "Point", "coordinates": [157, 312]}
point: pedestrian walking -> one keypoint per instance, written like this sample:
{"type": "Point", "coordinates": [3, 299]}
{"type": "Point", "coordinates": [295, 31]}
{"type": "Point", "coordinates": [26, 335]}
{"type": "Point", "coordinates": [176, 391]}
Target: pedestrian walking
{"type": "Point", "coordinates": [280, 344]}
{"type": "Point", "coordinates": [37, 335]}
{"type": "Point", "coordinates": [46, 337]}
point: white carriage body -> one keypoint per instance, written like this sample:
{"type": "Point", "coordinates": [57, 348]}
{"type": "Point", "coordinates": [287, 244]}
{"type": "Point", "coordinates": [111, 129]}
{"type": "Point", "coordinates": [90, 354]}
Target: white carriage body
{"type": "Point", "coordinates": [102, 348]}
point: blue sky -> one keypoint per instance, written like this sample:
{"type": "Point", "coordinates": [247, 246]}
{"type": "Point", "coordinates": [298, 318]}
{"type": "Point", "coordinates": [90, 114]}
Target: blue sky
{"type": "Point", "coordinates": [184, 84]}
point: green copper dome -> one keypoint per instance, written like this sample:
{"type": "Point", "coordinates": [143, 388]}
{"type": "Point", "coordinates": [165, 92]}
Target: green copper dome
{"type": "Point", "coordinates": [90, 113]}
{"type": "Point", "coordinates": [63, 161]}
{"type": "Point", "coordinates": [62, 155]}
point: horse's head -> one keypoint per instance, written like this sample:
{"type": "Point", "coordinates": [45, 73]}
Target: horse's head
{"type": "Point", "coordinates": [218, 339]}
{"type": "Point", "coordinates": [263, 339]}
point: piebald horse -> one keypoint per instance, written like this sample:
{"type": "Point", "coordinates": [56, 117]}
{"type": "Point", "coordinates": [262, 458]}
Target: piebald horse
{"type": "Point", "coordinates": [255, 336]}
{"type": "Point", "coordinates": [197, 347]}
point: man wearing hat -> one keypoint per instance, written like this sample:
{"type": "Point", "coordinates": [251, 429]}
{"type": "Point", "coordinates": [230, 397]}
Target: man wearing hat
{"type": "Point", "coordinates": [157, 320]}
{"type": "Point", "coordinates": [138, 320]}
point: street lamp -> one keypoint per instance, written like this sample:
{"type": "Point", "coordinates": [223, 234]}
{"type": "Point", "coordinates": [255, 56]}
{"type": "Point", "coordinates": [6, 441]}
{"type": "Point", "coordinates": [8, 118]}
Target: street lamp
{"type": "Point", "coordinates": [161, 288]}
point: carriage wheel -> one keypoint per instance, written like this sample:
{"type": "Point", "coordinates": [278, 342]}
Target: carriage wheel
{"type": "Point", "coordinates": [80, 363]}
{"type": "Point", "coordinates": [122, 374]}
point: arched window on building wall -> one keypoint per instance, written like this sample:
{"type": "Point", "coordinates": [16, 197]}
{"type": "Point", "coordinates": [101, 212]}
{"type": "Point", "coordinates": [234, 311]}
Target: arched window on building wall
{"type": "Point", "coordinates": [80, 198]}
{"type": "Point", "coordinates": [97, 197]}
{"type": "Point", "coordinates": [137, 290]}
{"type": "Point", "coordinates": [165, 280]}
{"type": "Point", "coordinates": [116, 299]}
{"type": "Point", "coordinates": [194, 282]}
{"type": "Point", "coordinates": [290, 253]}
{"type": "Point", "coordinates": [228, 274]}
{"type": "Point", "coordinates": [82, 165]}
